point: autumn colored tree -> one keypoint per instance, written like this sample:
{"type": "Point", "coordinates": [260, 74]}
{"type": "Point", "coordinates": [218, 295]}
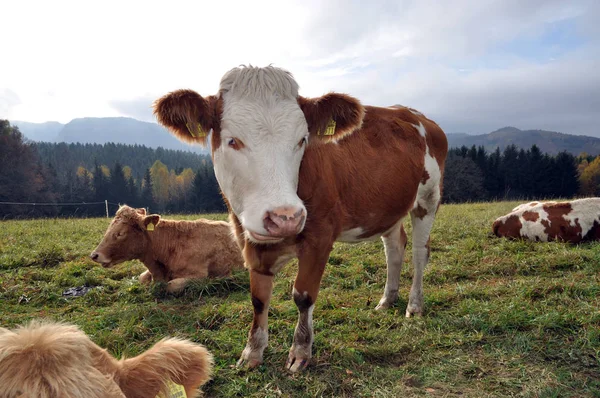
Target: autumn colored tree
{"type": "Point", "coordinates": [590, 178]}
{"type": "Point", "coordinates": [160, 184]}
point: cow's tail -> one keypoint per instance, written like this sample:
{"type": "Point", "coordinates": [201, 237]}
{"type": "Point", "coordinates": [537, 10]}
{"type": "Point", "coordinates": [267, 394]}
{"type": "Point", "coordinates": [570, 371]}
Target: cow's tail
{"type": "Point", "coordinates": [171, 360]}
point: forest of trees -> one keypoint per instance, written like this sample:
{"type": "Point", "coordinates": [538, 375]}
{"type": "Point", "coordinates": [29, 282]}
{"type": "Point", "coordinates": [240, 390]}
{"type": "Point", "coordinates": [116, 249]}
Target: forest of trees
{"type": "Point", "coordinates": [164, 181]}
{"type": "Point", "coordinates": [472, 174]}
{"type": "Point", "coordinates": [167, 181]}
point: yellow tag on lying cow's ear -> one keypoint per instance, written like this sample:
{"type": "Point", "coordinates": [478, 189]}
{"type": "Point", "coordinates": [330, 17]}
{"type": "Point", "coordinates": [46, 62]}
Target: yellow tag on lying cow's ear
{"type": "Point", "coordinates": [196, 130]}
{"type": "Point", "coordinates": [330, 129]}
{"type": "Point", "coordinates": [150, 227]}
{"type": "Point", "coordinates": [175, 391]}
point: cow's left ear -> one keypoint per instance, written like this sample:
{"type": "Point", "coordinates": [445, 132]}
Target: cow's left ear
{"type": "Point", "coordinates": [187, 115]}
{"type": "Point", "coordinates": [332, 116]}
{"type": "Point", "coordinates": [151, 221]}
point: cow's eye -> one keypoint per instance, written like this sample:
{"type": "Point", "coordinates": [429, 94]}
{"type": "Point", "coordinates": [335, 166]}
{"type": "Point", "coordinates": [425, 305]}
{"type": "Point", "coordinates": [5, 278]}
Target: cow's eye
{"type": "Point", "coordinates": [235, 144]}
{"type": "Point", "coordinates": [303, 141]}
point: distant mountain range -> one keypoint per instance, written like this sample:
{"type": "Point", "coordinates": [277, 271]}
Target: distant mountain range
{"type": "Point", "coordinates": [131, 131]}
{"type": "Point", "coordinates": [121, 130]}
{"type": "Point", "coordinates": [548, 141]}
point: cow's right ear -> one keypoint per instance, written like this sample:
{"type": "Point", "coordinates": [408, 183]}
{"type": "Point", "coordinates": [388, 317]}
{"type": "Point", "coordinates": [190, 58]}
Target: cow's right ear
{"type": "Point", "coordinates": [187, 115]}
{"type": "Point", "coordinates": [151, 221]}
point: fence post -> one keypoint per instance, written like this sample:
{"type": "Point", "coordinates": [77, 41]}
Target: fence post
{"type": "Point", "coordinates": [106, 204]}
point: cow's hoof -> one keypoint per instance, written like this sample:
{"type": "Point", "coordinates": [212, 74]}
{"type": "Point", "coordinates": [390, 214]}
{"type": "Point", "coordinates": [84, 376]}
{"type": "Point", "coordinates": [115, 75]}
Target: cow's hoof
{"type": "Point", "coordinates": [414, 307]}
{"type": "Point", "coordinates": [244, 363]}
{"type": "Point", "coordinates": [145, 278]}
{"type": "Point", "coordinates": [249, 359]}
{"type": "Point", "coordinates": [413, 311]}
{"type": "Point", "coordinates": [176, 286]}
{"type": "Point", "coordinates": [296, 364]}
{"type": "Point", "coordinates": [384, 304]}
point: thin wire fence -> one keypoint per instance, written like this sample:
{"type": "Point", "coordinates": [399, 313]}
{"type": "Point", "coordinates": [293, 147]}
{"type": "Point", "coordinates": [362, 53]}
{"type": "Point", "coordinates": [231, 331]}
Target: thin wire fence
{"type": "Point", "coordinates": [105, 203]}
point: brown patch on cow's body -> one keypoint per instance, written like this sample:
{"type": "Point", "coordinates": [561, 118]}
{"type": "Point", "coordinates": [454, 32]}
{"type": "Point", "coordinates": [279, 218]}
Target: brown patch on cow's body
{"type": "Point", "coordinates": [509, 228]}
{"type": "Point", "coordinates": [530, 216]}
{"type": "Point", "coordinates": [419, 212]}
{"type": "Point", "coordinates": [557, 227]}
{"type": "Point", "coordinates": [424, 177]}
{"type": "Point", "coordinates": [594, 232]}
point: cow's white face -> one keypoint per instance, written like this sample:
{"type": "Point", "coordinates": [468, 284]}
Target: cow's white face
{"type": "Point", "coordinates": [257, 163]}
{"type": "Point", "coordinates": [261, 127]}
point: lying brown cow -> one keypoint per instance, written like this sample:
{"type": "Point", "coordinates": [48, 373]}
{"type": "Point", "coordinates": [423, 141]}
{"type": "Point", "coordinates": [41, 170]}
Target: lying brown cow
{"type": "Point", "coordinates": [173, 251]}
{"type": "Point", "coordinates": [573, 221]}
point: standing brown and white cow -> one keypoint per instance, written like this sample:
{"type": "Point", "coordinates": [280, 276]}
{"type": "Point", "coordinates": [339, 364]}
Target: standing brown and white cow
{"type": "Point", "coordinates": [300, 173]}
{"type": "Point", "coordinates": [572, 221]}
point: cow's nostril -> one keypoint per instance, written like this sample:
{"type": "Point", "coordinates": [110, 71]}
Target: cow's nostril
{"type": "Point", "coordinates": [94, 256]}
{"type": "Point", "coordinates": [269, 224]}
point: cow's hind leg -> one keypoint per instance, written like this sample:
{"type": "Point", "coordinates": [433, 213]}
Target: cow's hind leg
{"type": "Point", "coordinates": [395, 245]}
{"type": "Point", "coordinates": [422, 221]}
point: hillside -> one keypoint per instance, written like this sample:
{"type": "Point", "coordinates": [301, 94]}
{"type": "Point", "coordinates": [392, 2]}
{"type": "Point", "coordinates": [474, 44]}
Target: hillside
{"type": "Point", "coordinates": [119, 130]}
{"type": "Point", "coordinates": [548, 141]}
{"type": "Point", "coordinates": [47, 131]}
{"type": "Point", "coordinates": [124, 130]}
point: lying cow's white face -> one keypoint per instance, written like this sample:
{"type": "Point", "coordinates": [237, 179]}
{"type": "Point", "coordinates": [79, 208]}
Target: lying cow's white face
{"type": "Point", "coordinates": [261, 129]}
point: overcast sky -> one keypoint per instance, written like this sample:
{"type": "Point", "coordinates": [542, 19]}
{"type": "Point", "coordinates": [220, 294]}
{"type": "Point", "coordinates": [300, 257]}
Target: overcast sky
{"type": "Point", "coordinates": [473, 66]}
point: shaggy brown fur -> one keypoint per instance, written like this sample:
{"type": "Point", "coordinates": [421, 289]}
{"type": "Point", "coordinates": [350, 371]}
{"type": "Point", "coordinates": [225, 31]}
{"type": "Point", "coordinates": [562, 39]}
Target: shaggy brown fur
{"type": "Point", "coordinates": [174, 251]}
{"type": "Point", "coordinates": [58, 360]}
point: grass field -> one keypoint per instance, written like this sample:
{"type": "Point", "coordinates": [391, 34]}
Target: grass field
{"type": "Point", "coordinates": [502, 318]}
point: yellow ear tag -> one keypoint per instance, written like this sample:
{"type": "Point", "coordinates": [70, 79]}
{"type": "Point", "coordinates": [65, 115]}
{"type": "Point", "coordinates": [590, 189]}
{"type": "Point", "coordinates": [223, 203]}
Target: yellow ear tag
{"type": "Point", "coordinates": [175, 391]}
{"type": "Point", "coordinates": [196, 130]}
{"type": "Point", "coordinates": [330, 129]}
{"type": "Point", "coordinates": [150, 227]}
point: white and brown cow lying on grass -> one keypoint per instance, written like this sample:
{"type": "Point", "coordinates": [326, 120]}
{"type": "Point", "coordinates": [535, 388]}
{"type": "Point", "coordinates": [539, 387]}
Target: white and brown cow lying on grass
{"type": "Point", "coordinates": [572, 221]}
{"type": "Point", "coordinates": [300, 173]}
{"type": "Point", "coordinates": [45, 359]}
{"type": "Point", "coordinates": [173, 251]}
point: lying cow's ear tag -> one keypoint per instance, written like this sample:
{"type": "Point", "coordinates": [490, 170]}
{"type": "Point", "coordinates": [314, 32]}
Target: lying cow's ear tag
{"type": "Point", "coordinates": [150, 227]}
{"type": "Point", "coordinates": [175, 391]}
{"type": "Point", "coordinates": [330, 129]}
{"type": "Point", "coordinates": [196, 130]}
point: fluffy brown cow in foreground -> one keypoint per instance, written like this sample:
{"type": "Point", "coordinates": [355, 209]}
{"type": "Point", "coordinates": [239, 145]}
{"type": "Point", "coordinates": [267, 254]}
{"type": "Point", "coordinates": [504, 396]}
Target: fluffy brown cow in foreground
{"type": "Point", "coordinates": [300, 173]}
{"type": "Point", "coordinates": [57, 360]}
{"type": "Point", "coordinates": [573, 221]}
{"type": "Point", "coordinates": [173, 251]}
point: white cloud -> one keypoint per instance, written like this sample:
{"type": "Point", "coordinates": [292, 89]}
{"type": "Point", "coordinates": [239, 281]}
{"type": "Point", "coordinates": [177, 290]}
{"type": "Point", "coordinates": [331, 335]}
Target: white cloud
{"type": "Point", "coordinates": [452, 60]}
